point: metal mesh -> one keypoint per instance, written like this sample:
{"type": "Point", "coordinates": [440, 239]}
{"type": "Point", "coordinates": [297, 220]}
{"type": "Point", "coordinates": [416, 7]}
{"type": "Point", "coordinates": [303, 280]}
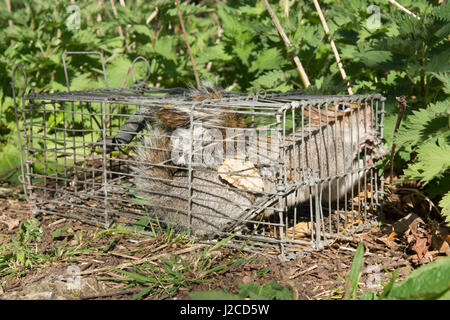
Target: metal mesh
{"type": "Point", "coordinates": [296, 177]}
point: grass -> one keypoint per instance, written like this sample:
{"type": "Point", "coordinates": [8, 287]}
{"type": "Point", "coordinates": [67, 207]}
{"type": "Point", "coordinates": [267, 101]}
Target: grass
{"type": "Point", "coordinates": [22, 252]}
{"type": "Point", "coordinates": [182, 264]}
{"type": "Point", "coordinates": [163, 279]}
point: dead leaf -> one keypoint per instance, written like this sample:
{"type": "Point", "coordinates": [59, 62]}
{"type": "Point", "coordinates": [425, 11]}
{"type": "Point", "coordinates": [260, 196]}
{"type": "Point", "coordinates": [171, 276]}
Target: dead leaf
{"type": "Point", "coordinates": [421, 248]}
{"type": "Point", "coordinates": [300, 230]}
{"type": "Point", "coordinates": [402, 225]}
{"type": "Point", "coordinates": [386, 241]}
{"type": "Point", "coordinates": [445, 248]}
{"type": "Point", "coordinates": [392, 236]}
{"type": "Point", "coordinates": [10, 223]}
{"type": "Point", "coordinates": [241, 174]}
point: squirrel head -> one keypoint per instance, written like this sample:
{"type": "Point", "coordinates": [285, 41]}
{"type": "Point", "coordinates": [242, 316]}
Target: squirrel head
{"type": "Point", "coordinates": [207, 91]}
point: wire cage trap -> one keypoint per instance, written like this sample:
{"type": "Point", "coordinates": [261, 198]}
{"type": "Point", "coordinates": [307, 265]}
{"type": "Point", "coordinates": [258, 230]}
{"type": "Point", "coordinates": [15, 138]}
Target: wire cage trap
{"type": "Point", "coordinates": [283, 173]}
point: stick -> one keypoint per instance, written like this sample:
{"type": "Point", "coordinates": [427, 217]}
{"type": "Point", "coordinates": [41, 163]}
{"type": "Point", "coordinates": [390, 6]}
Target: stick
{"type": "Point", "coordinates": [8, 7]}
{"type": "Point", "coordinates": [333, 46]}
{"type": "Point", "coordinates": [286, 8]}
{"type": "Point", "coordinates": [152, 16]}
{"type": "Point", "coordinates": [99, 17]}
{"type": "Point", "coordinates": [114, 9]}
{"type": "Point", "coordinates": [300, 69]}
{"type": "Point", "coordinates": [8, 172]}
{"type": "Point", "coordinates": [110, 294]}
{"type": "Point", "coordinates": [10, 22]}
{"type": "Point", "coordinates": [402, 8]}
{"type": "Point", "coordinates": [402, 102]}
{"type": "Point", "coordinates": [187, 44]}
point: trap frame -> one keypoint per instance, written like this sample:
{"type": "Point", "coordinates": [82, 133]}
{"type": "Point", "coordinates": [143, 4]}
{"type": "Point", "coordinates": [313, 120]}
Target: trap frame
{"type": "Point", "coordinates": [297, 203]}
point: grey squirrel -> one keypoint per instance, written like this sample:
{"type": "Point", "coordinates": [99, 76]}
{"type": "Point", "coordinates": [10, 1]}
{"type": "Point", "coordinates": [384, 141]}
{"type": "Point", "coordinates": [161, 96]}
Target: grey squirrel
{"type": "Point", "coordinates": [335, 146]}
{"type": "Point", "coordinates": [170, 117]}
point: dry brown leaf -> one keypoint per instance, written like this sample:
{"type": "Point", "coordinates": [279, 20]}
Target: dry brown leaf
{"type": "Point", "coordinates": [447, 239]}
{"type": "Point", "coordinates": [445, 248]}
{"type": "Point", "coordinates": [245, 174]}
{"type": "Point", "coordinates": [402, 225]}
{"type": "Point", "coordinates": [387, 242]}
{"type": "Point", "coordinates": [10, 223]}
{"type": "Point", "coordinates": [421, 248]}
{"type": "Point", "coordinates": [300, 230]}
{"type": "Point", "coordinates": [364, 195]}
{"type": "Point", "coordinates": [392, 236]}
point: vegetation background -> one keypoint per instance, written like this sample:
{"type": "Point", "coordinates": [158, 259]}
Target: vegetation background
{"type": "Point", "coordinates": [236, 46]}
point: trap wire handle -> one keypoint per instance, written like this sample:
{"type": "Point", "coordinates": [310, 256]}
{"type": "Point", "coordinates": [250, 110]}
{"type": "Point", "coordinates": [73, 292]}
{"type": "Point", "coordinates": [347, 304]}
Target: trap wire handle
{"type": "Point", "coordinates": [85, 53]}
{"type": "Point", "coordinates": [148, 69]}
{"type": "Point", "coordinates": [16, 114]}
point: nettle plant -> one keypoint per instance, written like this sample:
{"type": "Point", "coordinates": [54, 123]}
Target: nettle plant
{"type": "Point", "coordinates": [425, 141]}
{"type": "Point", "coordinates": [236, 46]}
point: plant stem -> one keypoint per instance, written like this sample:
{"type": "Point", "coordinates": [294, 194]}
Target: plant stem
{"type": "Point", "coordinates": [333, 46]}
{"type": "Point", "coordinates": [402, 101]}
{"type": "Point", "coordinates": [197, 80]}
{"type": "Point", "coordinates": [283, 35]}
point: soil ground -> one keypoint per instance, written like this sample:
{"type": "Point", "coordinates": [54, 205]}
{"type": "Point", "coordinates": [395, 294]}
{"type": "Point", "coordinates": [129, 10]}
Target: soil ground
{"type": "Point", "coordinates": [80, 264]}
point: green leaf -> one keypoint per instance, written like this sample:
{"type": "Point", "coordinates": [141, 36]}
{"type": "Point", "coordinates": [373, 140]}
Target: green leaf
{"type": "Point", "coordinates": [267, 60]}
{"type": "Point", "coordinates": [433, 160]}
{"type": "Point", "coordinates": [213, 53]}
{"type": "Point", "coordinates": [387, 289]}
{"type": "Point", "coordinates": [213, 295]}
{"type": "Point", "coordinates": [243, 51]}
{"type": "Point", "coordinates": [269, 291]}
{"type": "Point", "coordinates": [222, 242]}
{"type": "Point", "coordinates": [355, 273]}
{"type": "Point", "coordinates": [165, 47]}
{"type": "Point", "coordinates": [373, 58]}
{"type": "Point", "coordinates": [117, 71]}
{"type": "Point", "coordinates": [368, 295]}
{"type": "Point", "coordinates": [142, 293]}
{"type": "Point", "coordinates": [428, 282]}
{"type": "Point", "coordinates": [445, 205]}
{"type": "Point", "coordinates": [268, 79]}
{"type": "Point", "coordinates": [444, 77]}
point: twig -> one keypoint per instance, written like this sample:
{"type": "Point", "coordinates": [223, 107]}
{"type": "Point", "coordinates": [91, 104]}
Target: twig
{"type": "Point", "coordinates": [186, 39]}
{"type": "Point", "coordinates": [119, 28]}
{"type": "Point", "coordinates": [10, 22]}
{"type": "Point", "coordinates": [8, 172]}
{"type": "Point", "coordinates": [8, 7]}
{"type": "Point", "coordinates": [342, 232]}
{"type": "Point", "coordinates": [123, 256]}
{"type": "Point", "coordinates": [300, 69]}
{"type": "Point", "coordinates": [303, 272]}
{"type": "Point", "coordinates": [321, 294]}
{"type": "Point", "coordinates": [57, 222]}
{"type": "Point", "coordinates": [99, 17]}
{"type": "Point", "coordinates": [333, 46]}
{"type": "Point", "coordinates": [402, 8]}
{"type": "Point", "coordinates": [152, 16]}
{"type": "Point", "coordinates": [403, 104]}
{"type": "Point", "coordinates": [110, 294]}
{"type": "Point", "coordinates": [286, 8]}
{"type": "Point", "coordinates": [422, 195]}
{"type": "Point", "coordinates": [160, 283]}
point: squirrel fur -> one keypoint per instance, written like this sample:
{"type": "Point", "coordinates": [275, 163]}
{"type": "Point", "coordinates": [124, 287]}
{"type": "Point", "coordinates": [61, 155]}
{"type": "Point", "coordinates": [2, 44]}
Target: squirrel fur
{"type": "Point", "coordinates": [334, 143]}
